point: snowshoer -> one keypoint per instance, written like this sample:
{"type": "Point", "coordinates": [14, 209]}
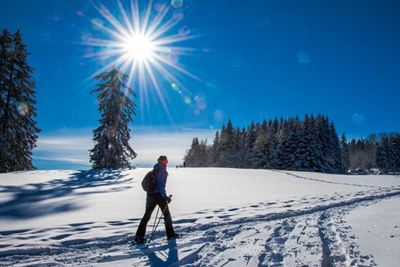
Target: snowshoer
{"type": "Point", "coordinates": [158, 197]}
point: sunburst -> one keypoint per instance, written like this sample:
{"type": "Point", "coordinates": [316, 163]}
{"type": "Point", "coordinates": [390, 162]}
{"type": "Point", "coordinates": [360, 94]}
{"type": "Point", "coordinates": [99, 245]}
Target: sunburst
{"type": "Point", "coordinates": [141, 46]}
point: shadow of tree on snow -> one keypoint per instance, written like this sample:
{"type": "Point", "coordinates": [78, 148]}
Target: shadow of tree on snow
{"type": "Point", "coordinates": [59, 195]}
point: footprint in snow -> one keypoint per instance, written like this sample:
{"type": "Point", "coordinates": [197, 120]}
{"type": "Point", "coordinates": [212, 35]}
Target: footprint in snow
{"type": "Point", "coordinates": [59, 237]}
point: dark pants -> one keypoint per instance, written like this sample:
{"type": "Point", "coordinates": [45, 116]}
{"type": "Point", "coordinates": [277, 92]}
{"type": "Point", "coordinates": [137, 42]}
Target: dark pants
{"type": "Point", "coordinates": [152, 201]}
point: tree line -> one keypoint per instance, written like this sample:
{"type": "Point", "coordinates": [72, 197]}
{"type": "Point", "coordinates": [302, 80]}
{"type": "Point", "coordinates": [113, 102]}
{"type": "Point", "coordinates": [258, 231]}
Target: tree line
{"type": "Point", "coordinates": [376, 151]}
{"type": "Point", "coordinates": [311, 144]}
{"type": "Point", "coordinates": [18, 130]}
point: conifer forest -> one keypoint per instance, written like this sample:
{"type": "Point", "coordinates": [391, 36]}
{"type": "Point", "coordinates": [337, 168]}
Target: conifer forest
{"type": "Point", "coordinates": [311, 144]}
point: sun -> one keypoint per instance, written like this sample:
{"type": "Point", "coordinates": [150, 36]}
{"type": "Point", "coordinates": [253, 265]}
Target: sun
{"type": "Point", "coordinates": [142, 44]}
{"type": "Point", "coordinates": [139, 47]}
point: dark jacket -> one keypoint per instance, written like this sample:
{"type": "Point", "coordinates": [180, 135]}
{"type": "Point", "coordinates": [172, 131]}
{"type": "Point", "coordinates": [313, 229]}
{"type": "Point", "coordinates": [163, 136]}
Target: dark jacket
{"type": "Point", "coordinates": [161, 181]}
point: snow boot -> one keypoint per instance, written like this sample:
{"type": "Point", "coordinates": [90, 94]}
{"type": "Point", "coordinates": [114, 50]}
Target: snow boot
{"type": "Point", "coordinates": [140, 240]}
{"type": "Point", "coordinates": [174, 236]}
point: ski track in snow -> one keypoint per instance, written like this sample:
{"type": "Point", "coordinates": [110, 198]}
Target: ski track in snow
{"type": "Point", "coordinates": [306, 231]}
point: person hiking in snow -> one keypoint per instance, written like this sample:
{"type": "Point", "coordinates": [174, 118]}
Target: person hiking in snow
{"type": "Point", "coordinates": [158, 197]}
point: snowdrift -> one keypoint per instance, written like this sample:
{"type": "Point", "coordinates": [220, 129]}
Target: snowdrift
{"type": "Point", "coordinates": [228, 217]}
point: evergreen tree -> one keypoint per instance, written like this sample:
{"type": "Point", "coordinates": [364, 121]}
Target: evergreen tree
{"type": "Point", "coordinates": [270, 160]}
{"type": "Point", "coordinates": [196, 156]}
{"type": "Point", "coordinates": [213, 152]}
{"type": "Point", "coordinates": [383, 154]}
{"type": "Point", "coordinates": [18, 130]}
{"type": "Point", "coordinates": [325, 138]}
{"type": "Point", "coordinates": [394, 152]}
{"type": "Point", "coordinates": [5, 61]}
{"type": "Point", "coordinates": [250, 139]}
{"type": "Point", "coordinates": [289, 157]}
{"type": "Point", "coordinates": [335, 150]}
{"type": "Point", "coordinates": [112, 149]}
{"type": "Point", "coordinates": [257, 158]}
{"type": "Point", "coordinates": [222, 148]}
{"type": "Point", "coordinates": [344, 153]}
{"type": "Point", "coordinates": [397, 152]}
{"type": "Point", "coordinates": [237, 156]}
{"type": "Point", "coordinates": [309, 146]}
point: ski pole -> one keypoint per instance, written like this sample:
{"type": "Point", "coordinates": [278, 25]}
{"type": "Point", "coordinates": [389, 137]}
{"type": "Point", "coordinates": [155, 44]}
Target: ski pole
{"type": "Point", "coordinates": [155, 221]}
{"type": "Point", "coordinates": [155, 228]}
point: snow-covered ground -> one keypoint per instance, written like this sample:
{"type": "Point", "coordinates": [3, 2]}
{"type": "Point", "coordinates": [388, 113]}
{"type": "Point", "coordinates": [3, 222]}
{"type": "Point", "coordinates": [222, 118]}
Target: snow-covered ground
{"type": "Point", "coordinates": [228, 217]}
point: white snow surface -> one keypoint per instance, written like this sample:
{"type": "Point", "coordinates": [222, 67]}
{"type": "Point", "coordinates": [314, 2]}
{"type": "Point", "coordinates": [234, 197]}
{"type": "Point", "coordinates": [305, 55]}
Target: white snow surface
{"type": "Point", "coordinates": [227, 217]}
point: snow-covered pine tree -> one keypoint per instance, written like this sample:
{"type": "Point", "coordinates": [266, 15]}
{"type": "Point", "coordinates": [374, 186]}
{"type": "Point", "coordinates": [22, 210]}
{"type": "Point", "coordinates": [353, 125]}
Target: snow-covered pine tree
{"type": "Point", "coordinates": [192, 153]}
{"type": "Point", "coordinates": [257, 159]}
{"type": "Point", "coordinates": [309, 146]}
{"type": "Point", "coordinates": [241, 152]}
{"type": "Point", "coordinates": [397, 152]}
{"type": "Point", "coordinates": [196, 156]}
{"type": "Point", "coordinates": [237, 155]}
{"type": "Point", "coordinates": [250, 139]}
{"type": "Point", "coordinates": [383, 154]}
{"type": "Point", "coordinates": [230, 145]}
{"type": "Point", "coordinates": [275, 125]}
{"type": "Point", "coordinates": [111, 138]}
{"type": "Point", "coordinates": [394, 151]}
{"type": "Point", "coordinates": [222, 148]}
{"type": "Point", "coordinates": [18, 130]}
{"type": "Point", "coordinates": [336, 151]}
{"type": "Point", "coordinates": [325, 138]}
{"type": "Point", "coordinates": [270, 154]}
{"type": "Point", "coordinates": [288, 145]}
{"type": "Point", "coordinates": [344, 153]}
{"type": "Point", "coordinates": [5, 58]}
{"type": "Point", "coordinates": [213, 152]}
{"type": "Point", "coordinates": [295, 128]}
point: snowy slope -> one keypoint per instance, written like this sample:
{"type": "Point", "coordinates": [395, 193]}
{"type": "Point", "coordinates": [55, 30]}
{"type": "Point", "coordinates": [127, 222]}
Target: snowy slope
{"type": "Point", "coordinates": [228, 217]}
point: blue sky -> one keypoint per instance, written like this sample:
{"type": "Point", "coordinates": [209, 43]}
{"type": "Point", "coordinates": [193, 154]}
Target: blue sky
{"type": "Point", "coordinates": [253, 60]}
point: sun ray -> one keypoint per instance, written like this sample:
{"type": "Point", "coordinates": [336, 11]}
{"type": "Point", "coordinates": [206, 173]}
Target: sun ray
{"type": "Point", "coordinates": [158, 90]}
{"type": "Point", "coordinates": [156, 22]}
{"type": "Point", "coordinates": [146, 18]}
{"type": "Point", "coordinates": [175, 66]}
{"type": "Point", "coordinates": [164, 28]}
{"type": "Point", "coordinates": [142, 46]}
{"type": "Point", "coordinates": [173, 39]}
{"type": "Point", "coordinates": [171, 78]}
{"type": "Point", "coordinates": [135, 16]}
{"type": "Point", "coordinates": [110, 18]}
{"type": "Point", "coordinates": [126, 19]}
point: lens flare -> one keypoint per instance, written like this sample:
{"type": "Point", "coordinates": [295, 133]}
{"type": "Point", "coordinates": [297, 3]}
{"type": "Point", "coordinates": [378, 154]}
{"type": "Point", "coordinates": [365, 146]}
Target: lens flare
{"type": "Point", "coordinates": [218, 116]}
{"type": "Point", "coordinates": [141, 46]}
{"type": "Point", "coordinates": [177, 3]}
{"type": "Point", "coordinates": [184, 31]}
{"type": "Point", "coordinates": [201, 103]}
{"type": "Point", "coordinates": [358, 118]}
{"type": "Point", "coordinates": [23, 109]}
{"type": "Point", "coordinates": [178, 14]}
{"type": "Point", "coordinates": [304, 58]}
{"type": "Point", "coordinates": [97, 24]}
{"type": "Point", "coordinates": [187, 100]}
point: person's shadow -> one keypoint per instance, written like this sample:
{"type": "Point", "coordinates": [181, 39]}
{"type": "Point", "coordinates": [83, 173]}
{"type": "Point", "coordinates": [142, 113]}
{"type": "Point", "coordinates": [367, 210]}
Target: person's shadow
{"type": "Point", "coordinates": [172, 258]}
